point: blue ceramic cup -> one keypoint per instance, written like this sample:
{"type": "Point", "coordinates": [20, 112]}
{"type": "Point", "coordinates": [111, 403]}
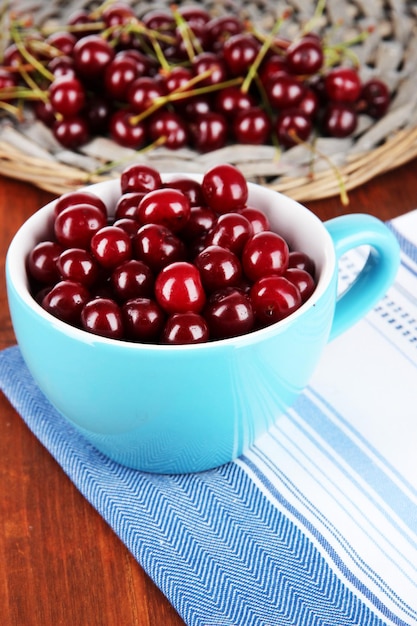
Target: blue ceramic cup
{"type": "Point", "coordinates": [171, 409]}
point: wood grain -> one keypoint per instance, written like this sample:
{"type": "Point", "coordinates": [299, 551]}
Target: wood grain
{"type": "Point", "coordinates": [61, 564]}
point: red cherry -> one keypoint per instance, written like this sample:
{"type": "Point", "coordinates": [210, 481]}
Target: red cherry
{"type": "Point", "coordinates": [292, 127]}
{"type": "Point", "coordinates": [305, 56]}
{"type": "Point", "coordinates": [339, 120]}
{"type": "Point", "coordinates": [231, 231]}
{"type": "Point", "coordinates": [67, 95]}
{"type": "Point", "coordinates": [185, 328]}
{"type": "Point", "coordinates": [77, 264]}
{"type": "Point", "coordinates": [257, 219]}
{"type": "Point", "coordinates": [229, 313]}
{"type": "Point", "coordinates": [252, 126]}
{"type": "Point", "coordinates": [143, 319]}
{"type": "Point", "coordinates": [239, 52]}
{"type": "Point", "coordinates": [208, 131]}
{"type": "Point", "coordinates": [102, 316]}
{"type": "Point", "coordinates": [178, 288]}
{"type": "Point", "coordinates": [225, 188]}
{"type": "Point", "coordinates": [166, 206]}
{"type": "Point", "coordinates": [343, 84]}
{"type": "Point", "coordinates": [128, 206]}
{"type": "Point", "coordinates": [125, 131]}
{"type": "Point", "coordinates": [42, 261]}
{"type": "Point", "coordinates": [91, 56]}
{"type": "Point", "coordinates": [302, 261]}
{"type": "Point", "coordinates": [75, 225]}
{"type": "Point", "coordinates": [140, 178]}
{"type": "Point", "coordinates": [71, 198]}
{"type": "Point", "coordinates": [302, 280]}
{"type": "Point", "coordinates": [169, 126]}
{"type": "Point", "coordinates": [265, 253]}
{"type": "Point", "coordinates": [132, 279]}
{"type": "Point", "coordinates": [189, 187]}
{"type": "Point", "coordinates": [71, 132]}
{"type": "Point", "coordinates": [218, 267]}
{"type": "Point", "coordinates": [157, 246]}
{"type": "Point", "coordinates": [66, 300]}
{"type": "Point", "coordinates": [274, 298]}
{"type": "Point", "coordinates": [284, 91]}
{"type": "Point", "coordinates": [111, 246]}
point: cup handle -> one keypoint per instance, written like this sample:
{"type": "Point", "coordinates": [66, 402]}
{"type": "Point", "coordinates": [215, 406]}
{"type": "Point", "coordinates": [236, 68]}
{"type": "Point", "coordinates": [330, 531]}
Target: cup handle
{"type": "Point", "coordinates": [378, 273]}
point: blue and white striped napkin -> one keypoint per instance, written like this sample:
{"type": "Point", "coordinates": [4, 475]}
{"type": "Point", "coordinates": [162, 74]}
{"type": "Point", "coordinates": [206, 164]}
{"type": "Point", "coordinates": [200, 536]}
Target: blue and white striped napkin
{"type": "Point", "coordinates": [317, 523]}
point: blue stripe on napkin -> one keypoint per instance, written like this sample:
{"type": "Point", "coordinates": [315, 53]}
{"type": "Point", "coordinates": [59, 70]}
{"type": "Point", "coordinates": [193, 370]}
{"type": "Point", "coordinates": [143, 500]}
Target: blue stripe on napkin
{"type": "Point", "coordinates": [314, 526]}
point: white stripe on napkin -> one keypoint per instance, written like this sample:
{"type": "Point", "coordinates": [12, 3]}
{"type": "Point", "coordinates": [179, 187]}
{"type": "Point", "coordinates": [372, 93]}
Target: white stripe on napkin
{"type": "Point", "coordinates": [344, 459]}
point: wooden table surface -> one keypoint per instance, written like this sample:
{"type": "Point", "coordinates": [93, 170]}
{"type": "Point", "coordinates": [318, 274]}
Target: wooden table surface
{"type": "Point", "coordinates": [60, 563]}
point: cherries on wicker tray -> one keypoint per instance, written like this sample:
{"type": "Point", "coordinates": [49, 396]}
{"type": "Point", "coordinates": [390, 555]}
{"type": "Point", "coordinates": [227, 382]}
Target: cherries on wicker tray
{"type": "Point", "coordinates": [176, 263]}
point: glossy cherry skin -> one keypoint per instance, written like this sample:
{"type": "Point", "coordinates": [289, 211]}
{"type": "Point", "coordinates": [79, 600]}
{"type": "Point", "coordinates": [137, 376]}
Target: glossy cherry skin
{"type": "Point", "coordinates": [143, 92]}
{"type": "Point", "coordinates": [265, 253]}
{"type": "Point", "coordinates": [170, 127]}
{"type": "Point", "coordinates": [225, 188]}
{"type": "Point", "coordinates": [125, 131]}
{"type": "Point", "coordinates": [274, 298]}
{"type": "Point", "coordinates": [77, 264]}
{"type": "Point", "coordinates": [377, 97]}
{"type": "Point", "coordinates": [157, 246]}
{"type": "Point", "coordinates": [143, 319]}
{"type": "Point", "coordinates": [211, 63]}
{"type": "Point", "coordinates": [189, 187]}
{"type": "Point", "coordinates": [293, 127]}
{"type": "Point", "coordinates": [102, 316]}
{"type": "Point", "coordinates": [185, 328]}
{"type": "Point", "coordinates": [132, 279]}
{"type": "Point", "coordinates": [71, 198]}
{"type": "Point", "coordinates": [343, 84]}
{"type": "Point", "coordinates": [218, 267]}
{"type": "Point", "coordinates": [42, 262]}
{"type": "Point", "coordinates": [91, 56]}
{"type": "Point", "coordinates": [67, 95]}
{"type": "Point", "coordinates": [128, 206]}
{"type": "Point", "coordinates": [202, 219]}
{"type": "Point", "coordinates": [239, 52]}
{"type": "Point", "coordinates": [208, 131]}
{"type": "Point", "coordinates": [165, 206]}
{"type": "Point", "coordinates": [140, 178]}
{"type": "Point", "coordinates": [302, 280]}
{"type": "Point", "coordinates": [229, 313]}
{"type": "Point", "coordinates": [256, 218]}
{"type": "Point", "coordinates": [305, 57]}
{"type": "Point", "coordinates": [75, 225]}
{"type": "Point", "coordinates": [284, 91]}
{"type": "Point", "coordinates": [231, 231]}
{"type": "Point", "coordinates": [339, 120]}
{"type": "Point", "coordinates": [111, 246]}
{"type": "Point", "coordinates": [71, 132]}
{"type": "Point", "coordinates": [302, 261]}
{"type": "Point", "coordinates": [178, 288]}
{"type": "Point", "coordinates": [66, 300]}
{"type": "Point", "coordinates": [231, 100]}
{"type": "Point", "coordinates": [118, 76]}
{"type": "Point", "coordinates": [252, 126]}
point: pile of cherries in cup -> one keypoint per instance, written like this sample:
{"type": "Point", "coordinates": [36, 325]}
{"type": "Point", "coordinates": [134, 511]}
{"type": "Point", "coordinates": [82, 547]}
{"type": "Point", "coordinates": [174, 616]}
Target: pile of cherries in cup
{"type": "Point", "coordinates": [177, 263]}
{"type": "Point", "coordinates": [185, 79]}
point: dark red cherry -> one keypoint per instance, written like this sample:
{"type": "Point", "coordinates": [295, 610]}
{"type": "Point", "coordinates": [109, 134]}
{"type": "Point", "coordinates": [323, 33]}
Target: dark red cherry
{"type": "Point", "coordinates": [225, 189]}
{"type": "Point", "coordinates": [102, 316]}
{"type": "Point", "coordinates": [157, 246]}
{"type": "Point", "coordinates": [165, 206]}
{"type": "Point", "coordinates": [231, 231]}
{"type": "Point", "coordinates": [219, 268]}
{"type": "Point", "coordinates": [302, 280]}
{"type": "Point", "coordinates": [274, 298]}
{"type": "Point", "coordinates": [229, 313]}
{"type": "Point", "coordinates": [111, 246]}
{"type": "Point", "coordinates": [143, 319]}
{"type": "Point", "coordinates": [185, 328]}
{"type": "Point", "coordinates": [132, 279]}
{"type": "Point", "coordinates": [178, 288]}
{"type": "Point", "coordinates": [75, 225]}
{"type": "Point", "coordinates": [42, 261]}
{"type": "Point", "coordinates": [77, 264]}
{"type": "Point", "coordinates": [66, 300]}
{"type": "Point", "coordinates": [140, 178]}
{"type": "Point", "coordinates": [265, 253]}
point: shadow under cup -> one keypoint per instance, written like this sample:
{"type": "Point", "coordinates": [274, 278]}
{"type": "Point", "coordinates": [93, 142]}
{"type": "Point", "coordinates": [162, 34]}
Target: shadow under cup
{"type": "Point", "coordinates": [174, 409]}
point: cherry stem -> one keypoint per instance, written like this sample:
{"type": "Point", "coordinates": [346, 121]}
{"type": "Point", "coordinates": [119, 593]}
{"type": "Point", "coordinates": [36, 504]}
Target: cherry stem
{"type": "Point", "coordinates": [33, 61]}
{"type": "Point", "coordinates": [344, 198]}
{"type": "Point", "coordinates": [191, 42]}
{"type": "Point", "coordinates": [183, 92]}
{"type": "Point", "coordinates": [253, 69]}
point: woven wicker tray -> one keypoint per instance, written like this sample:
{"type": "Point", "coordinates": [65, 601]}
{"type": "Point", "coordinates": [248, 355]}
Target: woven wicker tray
{"type": "Point", "coordinates": [29, 152]}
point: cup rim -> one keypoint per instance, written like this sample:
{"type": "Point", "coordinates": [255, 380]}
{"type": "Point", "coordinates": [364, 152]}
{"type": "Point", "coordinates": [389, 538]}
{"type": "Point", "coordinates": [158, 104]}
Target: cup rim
{"type": "Point", "coordinates": [29, 234]}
